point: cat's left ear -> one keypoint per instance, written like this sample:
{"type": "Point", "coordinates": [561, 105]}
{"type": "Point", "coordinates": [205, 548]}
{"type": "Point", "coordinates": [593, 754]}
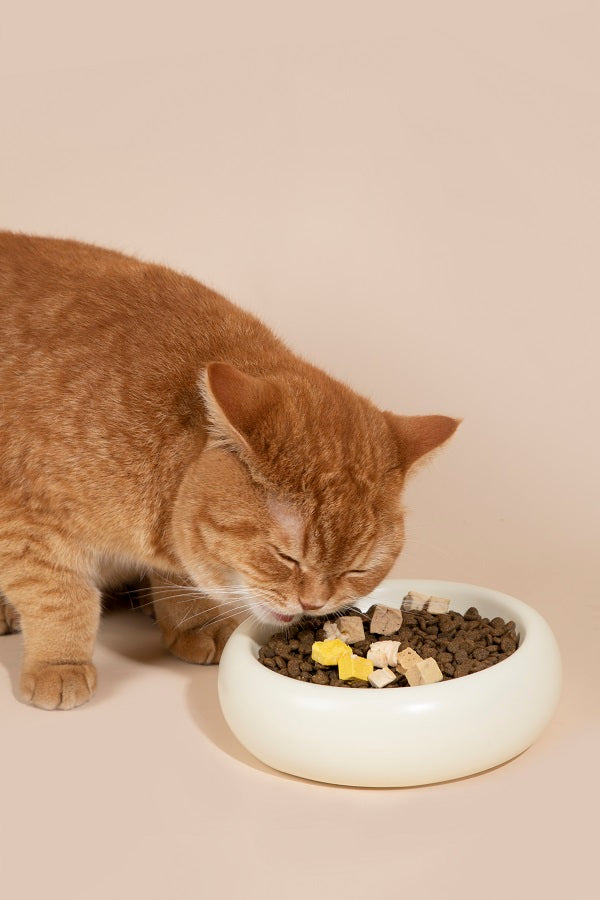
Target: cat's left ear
{"type": "Point", "coordinates": [236, 403]}
{"type": "Point", "coordinates": [416, 436]}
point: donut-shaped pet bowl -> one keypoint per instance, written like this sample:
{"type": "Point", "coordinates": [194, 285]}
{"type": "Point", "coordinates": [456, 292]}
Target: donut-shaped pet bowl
{"type": "Point", "coordinates": [400, 737]}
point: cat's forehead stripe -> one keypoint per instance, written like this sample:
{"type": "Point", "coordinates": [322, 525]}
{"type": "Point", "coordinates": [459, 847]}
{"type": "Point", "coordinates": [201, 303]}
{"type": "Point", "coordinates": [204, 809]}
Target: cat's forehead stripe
{"type": "Point", "coordinates": [289, 518]}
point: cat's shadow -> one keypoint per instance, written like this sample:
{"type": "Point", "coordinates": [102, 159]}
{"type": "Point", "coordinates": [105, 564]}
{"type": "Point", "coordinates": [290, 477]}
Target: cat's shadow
{"type": "Point", "coordinates": [126, 635]}
{"type": "Point", "coordinates": [136, 638]}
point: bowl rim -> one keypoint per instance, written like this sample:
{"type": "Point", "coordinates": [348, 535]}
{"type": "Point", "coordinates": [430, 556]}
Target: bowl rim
{"type": "Point", "coordinates": [247, 631]}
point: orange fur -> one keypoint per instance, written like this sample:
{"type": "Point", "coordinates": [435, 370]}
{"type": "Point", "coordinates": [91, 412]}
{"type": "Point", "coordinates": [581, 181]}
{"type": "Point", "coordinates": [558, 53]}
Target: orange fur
{"type": "Point", "coordinates": [151, 426]}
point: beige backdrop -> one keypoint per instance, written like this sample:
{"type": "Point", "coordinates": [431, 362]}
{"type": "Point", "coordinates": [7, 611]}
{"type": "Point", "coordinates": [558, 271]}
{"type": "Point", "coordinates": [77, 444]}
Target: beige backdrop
{"type": "Point", "coordinates": [408, 193]}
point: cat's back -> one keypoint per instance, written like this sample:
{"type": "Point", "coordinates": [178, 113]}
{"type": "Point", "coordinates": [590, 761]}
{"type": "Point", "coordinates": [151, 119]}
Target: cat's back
{"type": "Point", "coordinates": [77, 321]}
{"type": "Point", "coordinates": [50, 284]}
{"type": "Point", "coordinates": [72, 294]}
{"type": "Point", "coordinates": [40, 268]}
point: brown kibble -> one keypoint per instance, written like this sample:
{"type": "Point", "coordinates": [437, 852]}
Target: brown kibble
{"type": "Point", "coordinates": [293, 668]}
{"type": "Point", "coordinates": [306, 634]}
{"type": "Point", "coordinates": [463, 668]}
{"type": "Point", "coordinates": [471, 614]}
{"type": "Point", "coordinates": [459, 644]}
{"type": "Point", "coordinates": [507, 644]}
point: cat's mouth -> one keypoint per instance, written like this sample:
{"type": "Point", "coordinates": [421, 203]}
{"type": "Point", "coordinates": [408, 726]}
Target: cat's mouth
{"type": "Point", "coordinates": [274, 616]}
{"type": "Point", "coordinates": [281, 617]}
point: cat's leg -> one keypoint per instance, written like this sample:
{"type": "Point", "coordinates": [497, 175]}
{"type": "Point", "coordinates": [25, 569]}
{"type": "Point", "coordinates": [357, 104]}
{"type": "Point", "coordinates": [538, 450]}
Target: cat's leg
{"type": "Point", "coordinates": [59, 612]}
{"type": "Point", "coordinates": [194, 628]}
{"type": "Point", "coordinates": [9, 617]}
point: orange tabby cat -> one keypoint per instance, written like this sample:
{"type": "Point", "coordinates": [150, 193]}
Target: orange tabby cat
{"type": "Point", "coordinates": [148, 425]}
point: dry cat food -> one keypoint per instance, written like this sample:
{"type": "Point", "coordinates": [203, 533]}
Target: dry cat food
{"type": "Point", "coordinates": [422, 643]}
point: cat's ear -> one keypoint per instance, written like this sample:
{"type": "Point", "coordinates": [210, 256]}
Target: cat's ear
{"type": "Point", "coordinates": [236, 403]}
{"type": "Point", "coordinates": [416, 436]}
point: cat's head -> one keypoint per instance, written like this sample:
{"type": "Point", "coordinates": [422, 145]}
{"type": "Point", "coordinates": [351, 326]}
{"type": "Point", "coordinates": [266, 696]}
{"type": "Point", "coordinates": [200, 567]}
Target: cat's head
{"type": "Point", "coordinates": [295, 504]}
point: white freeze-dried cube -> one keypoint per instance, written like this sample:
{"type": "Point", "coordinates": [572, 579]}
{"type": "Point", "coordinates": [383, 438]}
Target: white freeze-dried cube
{"type": "Point", "coordinates": [332, 632]}
{"type": "Point", "coordinates": [380, 677]}
{"type": "Point", "coordinates": [384, 653]}
{"type": "Point", "coordinates": [415, 602]}
{"type": "Point", "coordinates": [386, 620]}
{"type": "Point", "coordinates": [407, 658]}
{"type": "Point", "coordinates": [351, 629]}
{"type": "Point", "coordinates": [438, 605]}
{"type": "Point", "coordinates": [425, 672]}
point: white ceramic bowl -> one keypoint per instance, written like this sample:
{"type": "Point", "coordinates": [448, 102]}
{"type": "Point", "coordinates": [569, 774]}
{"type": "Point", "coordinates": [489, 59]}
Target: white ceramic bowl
{"type": "Point", "coordinates": [400, 737]}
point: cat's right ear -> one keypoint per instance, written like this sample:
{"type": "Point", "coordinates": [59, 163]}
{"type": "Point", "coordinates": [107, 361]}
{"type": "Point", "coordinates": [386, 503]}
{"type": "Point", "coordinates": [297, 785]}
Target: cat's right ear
{"type": "Point", "coordinates": [236, 403]}
{"type": "Point", "coordinates": [417, 436]}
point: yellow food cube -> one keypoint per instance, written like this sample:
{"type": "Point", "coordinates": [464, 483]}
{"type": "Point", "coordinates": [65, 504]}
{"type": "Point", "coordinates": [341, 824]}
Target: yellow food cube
{"type": "Point", "coordinates": [354, 667]}
{"type": "Point", "coordinates": [345, 667]}
{"type": "Point", "coordinates": [328, 653]}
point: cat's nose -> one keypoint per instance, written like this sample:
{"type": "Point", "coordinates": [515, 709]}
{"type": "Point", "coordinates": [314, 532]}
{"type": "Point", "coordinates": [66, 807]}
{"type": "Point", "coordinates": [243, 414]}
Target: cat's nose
{"type": "Point", "coordinates": [312, 604]}
{"type": "Point", "coordinates": [314, 591]}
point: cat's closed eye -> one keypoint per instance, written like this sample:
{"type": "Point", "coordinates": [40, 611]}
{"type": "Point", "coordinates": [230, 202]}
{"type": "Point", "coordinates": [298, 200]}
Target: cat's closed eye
{"type": "Point", "coordinates": [284, 556]}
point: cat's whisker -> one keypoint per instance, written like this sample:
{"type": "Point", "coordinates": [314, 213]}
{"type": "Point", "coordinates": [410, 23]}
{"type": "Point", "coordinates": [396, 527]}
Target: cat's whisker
{"type": "Point", "coordinates": [191, 595]}
{"type": "Point", "coordinates": [229, 613]}
{"type": "Point", "coordinates": [221, 606]}
{"type": "Point", "coordinates": [184, 598]}
{"type": "Point", "coordinates": [216, 619]}
{"type": "Point", "coordinates": [184, 588]}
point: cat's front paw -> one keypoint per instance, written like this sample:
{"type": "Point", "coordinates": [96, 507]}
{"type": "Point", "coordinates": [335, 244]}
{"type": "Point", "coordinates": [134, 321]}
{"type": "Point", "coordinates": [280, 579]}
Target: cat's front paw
{"type": "Point", "coordinates": [58, 686]}
{"type": "Point", "coordinates": [202, 645]}
{"type": "Point", "coordinates": [9, 617]}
